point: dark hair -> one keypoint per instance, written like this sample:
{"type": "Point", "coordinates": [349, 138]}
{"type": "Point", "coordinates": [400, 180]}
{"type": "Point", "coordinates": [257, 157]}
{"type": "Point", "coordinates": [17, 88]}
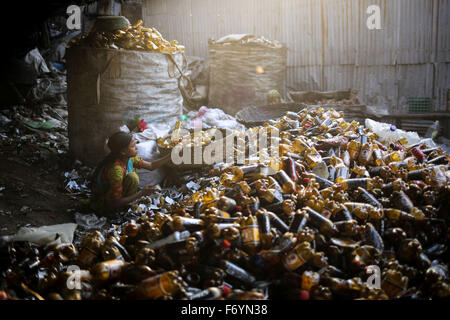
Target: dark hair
{"type": "Point", "coordinates": [116, 143]}
{"type": "Point", "coordinates": [119, 141]}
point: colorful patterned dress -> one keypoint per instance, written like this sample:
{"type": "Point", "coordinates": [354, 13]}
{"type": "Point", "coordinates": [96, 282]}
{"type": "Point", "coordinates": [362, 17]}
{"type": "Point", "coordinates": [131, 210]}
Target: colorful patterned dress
{"type": "Point", "coordinates": [114, 182]}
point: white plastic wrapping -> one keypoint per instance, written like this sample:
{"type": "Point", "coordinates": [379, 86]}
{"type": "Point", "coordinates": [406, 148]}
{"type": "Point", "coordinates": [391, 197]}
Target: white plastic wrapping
{"type": "Point", "coordinates": [148, 150]}
{"type": "Point", "coordinates": [89, 221]}
{"type": "Point", "coordinates": [46, 234]}
{"type": "Point", "coordinates": [383, 130]}
{"type": "Point", "coordinates": [214, 118]}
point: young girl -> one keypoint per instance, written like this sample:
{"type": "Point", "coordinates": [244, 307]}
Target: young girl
{"type": "Point", "coordinates": [115, 180]}
{"type": "Point", "coordinates": [274, 97]}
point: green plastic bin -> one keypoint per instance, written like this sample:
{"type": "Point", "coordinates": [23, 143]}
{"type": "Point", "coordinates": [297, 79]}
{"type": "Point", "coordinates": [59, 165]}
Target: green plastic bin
{"type": "Point", "coordinates": [419, 105]}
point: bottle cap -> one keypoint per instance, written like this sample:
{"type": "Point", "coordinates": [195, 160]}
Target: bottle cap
{"type": "Point", "coordinates": [356, 263]}
{"type": "Point", "coordinates": [3, 295]}
{"type": "Point", "coordinates": [226, 290]}
{"type": "Point", "coordinates": [304, 295]}
{"type": "Point", "coordinates": [225, 244]}
{"type": "Point", "coordinates": [326, 214]}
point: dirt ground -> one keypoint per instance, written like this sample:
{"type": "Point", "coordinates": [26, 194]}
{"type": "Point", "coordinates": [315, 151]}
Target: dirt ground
{"type": "Point", "coordinates": [32, 195]}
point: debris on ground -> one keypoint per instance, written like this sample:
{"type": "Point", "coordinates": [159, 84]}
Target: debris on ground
{"type": "Point", "coordinates": [272, 230]}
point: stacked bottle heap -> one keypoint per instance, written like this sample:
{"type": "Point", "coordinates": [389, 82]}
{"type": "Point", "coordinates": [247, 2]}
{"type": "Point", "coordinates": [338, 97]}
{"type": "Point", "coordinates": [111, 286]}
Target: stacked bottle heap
{"type": "Point", "coordinates": [336, 206]}
{"type": "Point", "coordinates": [134, 37]}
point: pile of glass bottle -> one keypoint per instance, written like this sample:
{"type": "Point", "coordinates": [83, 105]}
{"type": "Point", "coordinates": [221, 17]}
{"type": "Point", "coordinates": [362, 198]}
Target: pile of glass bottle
{"type": "Point", "coordinates": [371, 223]}
{"type": "Point", "coordinates": [187, 138]}
{"type": "Point", "coordinates": [135, 37]}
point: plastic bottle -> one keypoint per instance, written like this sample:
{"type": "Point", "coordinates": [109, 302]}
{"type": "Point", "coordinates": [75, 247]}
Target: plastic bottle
{"type": "Point", "coordinates": [433, 131]}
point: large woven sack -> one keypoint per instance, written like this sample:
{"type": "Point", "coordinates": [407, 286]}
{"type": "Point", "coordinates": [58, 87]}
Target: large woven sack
{"type": "Point", "coordinates": [110, 88]}
{"type": "Point", "coordinates": [242, 74]}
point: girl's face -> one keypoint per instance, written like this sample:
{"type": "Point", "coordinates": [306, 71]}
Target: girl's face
{"type": "Point", "coordinates": [273, 100]}
{"type": "Point", "coordinates": [131, 151]}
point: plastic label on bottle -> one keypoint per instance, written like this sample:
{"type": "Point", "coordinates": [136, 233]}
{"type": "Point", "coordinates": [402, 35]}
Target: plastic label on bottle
{"type": "Point", "coordinates": [353, 150]}
{"type": "Point", "coordinates": [238, 273]}
{"type": "Point", "coordinates": [391, 288]}
{"type": "Point", "coordinates": [308, 281]}
{"type": "Point", "coordinates": [293, 261]}
{"type": "Point", "coordinates": [366, 154]}
{"type": "Point", "coordinates": [355, 183]}
{"type": "Point", "coordinates": [313, 159]}
{"type": "Point", "coordinates": [155, 287]}
{"type": "Point", "coordinates": [223, 214]}
{"type": "Point", "coordinates": [114, 268]}
{"type": "Point", "coordinates": [250, 234]}
{"type": "Point", "coordinates": [87, 256]}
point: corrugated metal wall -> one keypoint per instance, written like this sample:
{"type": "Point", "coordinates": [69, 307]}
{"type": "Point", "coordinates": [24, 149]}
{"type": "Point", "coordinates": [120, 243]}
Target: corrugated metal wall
{"type": "Point", "coordinates": [329, 44]}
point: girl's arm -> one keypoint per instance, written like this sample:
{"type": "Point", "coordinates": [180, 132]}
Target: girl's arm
{"type": "Point", "coordinates": [121, 202]}
{"type": "Point", "coordinates": [115, 178]}
{"type": "Point", "coordinates": [155, 164]}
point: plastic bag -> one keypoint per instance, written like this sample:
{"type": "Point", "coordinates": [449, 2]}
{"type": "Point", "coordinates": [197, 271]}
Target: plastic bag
{"type": "Point", "coordinates": [386, 135]}
{"type": "Point", "coordinates": [444, 144]}
{"type": "Point", "coordinates": [153, 132]}
{"type": "Point", "coordinates": [438, 177]}
{"type": "Point", "coordinates": [89, 221]}
{"type": "Point", "coordinates": [429, 142]}
{"type": "Point", "coordinates": [321, 170]}
{"type": "Point", "coordinates": [4, 120]}
{"type": "Point", "coordinates": [42, 124]}
{"type": "Point", "coordinates": [47, 89]}
{"type": "Point", "coordinates": [27, 69]}
{"type": "Point", "coordinates": [214, 118]}
{"type": "Point", "coordinates": [195, 90]}
{"type": "Point", "coordinates": [46, 234]}
{"type": "Point", "coordinates": [35, 59]}
{"type": "Point", "coordinates": [233, 38]}
{"type": "Point", "coordinates": [148, 151]}
{"type": "Point", "coordinates": [198, 71]}
{"type": "Point", "coordinates": [218, 118]}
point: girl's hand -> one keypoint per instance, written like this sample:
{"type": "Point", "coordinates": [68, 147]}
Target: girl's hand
{"type": "Point", "coordinates": [156, 164]}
